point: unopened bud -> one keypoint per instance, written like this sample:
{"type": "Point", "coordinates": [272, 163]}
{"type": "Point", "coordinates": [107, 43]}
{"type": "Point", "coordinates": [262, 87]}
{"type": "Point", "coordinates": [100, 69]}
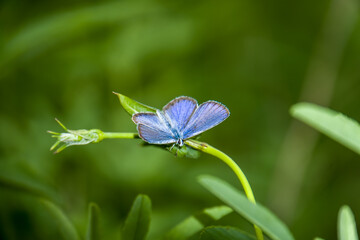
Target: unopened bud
{"type": "Point", "coordinates": [75, 137]}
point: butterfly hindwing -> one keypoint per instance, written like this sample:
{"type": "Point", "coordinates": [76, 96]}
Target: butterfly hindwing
{"type": "Point", "coordinates": [179, 111]}
{"type": "Point", "coordinates": [207, 115]}
{"type": "Point", "coordinates": [152, 129]}
{"type": "Point", "coordinates": [154, 136]}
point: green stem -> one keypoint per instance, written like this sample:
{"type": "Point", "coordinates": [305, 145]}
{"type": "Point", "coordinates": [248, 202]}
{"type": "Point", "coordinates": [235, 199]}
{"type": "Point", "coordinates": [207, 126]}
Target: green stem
{"type": "Point", "coordinates": [206, 148]}
{"type": "Point", "coordinates": [120, 135]}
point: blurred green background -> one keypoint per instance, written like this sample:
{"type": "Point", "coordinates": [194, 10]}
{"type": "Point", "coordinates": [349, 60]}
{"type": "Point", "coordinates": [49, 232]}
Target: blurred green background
{"type": "Point", "coordinates": [64, 58]}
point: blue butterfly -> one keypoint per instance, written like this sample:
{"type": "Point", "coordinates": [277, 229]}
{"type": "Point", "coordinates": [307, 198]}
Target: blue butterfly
{"type": "Point", "coordinates": [179, 120]}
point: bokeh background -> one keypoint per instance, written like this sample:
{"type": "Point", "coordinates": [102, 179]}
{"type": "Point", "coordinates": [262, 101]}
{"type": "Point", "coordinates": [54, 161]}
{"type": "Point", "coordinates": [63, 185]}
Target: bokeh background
{"type": "Point", "coordinates": [64, 58]}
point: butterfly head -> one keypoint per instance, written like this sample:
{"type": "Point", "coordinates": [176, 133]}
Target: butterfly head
{"type": "Point", "coordinates": [180, 142]}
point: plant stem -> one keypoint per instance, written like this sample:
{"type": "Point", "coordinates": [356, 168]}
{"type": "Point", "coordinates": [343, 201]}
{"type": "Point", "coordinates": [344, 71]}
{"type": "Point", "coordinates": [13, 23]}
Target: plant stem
{"type": "Point", "coordinates": [120, 135]}
{"type": "Point", "coordinates": [206, 148]}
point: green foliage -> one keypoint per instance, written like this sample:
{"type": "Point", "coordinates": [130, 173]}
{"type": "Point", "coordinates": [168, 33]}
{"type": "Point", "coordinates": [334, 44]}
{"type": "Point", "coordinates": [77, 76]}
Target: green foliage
{"type": "Point", "coordinates": [184, 151]}
{"type": "Point", "coordinates": [66, 228]}
{"type": "Point", "coordinates": [131, 106]}
{"type": "Point", "coordinates": [138, 221]}
{"type": "Point", "coordinates": [346, 224]}
{"type": "Point", "coordinates": [255, 214]}
{"type": "Point", "coordinates": [24, 184]}
{"type": "Point", "coordinates": [331, 123]}
{"type": "Point", "coordinates": [196, 223]}
{"type": "Point", "coordinates": [63, 59]}
{"type": "Point", "coordinates": [93, 228]}
{"type": "Point", "coordinates": [39, 36]}
{"type": "Point", "coordinates": [224, 233]}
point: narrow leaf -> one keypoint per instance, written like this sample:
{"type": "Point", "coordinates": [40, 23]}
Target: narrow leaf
{"type": "Point", "coordinates": [224, 233]}
{"type": "Point", "coordinates": [93, 231]}
{"type": "Point", "coordinates": [335, 125]}
{"type": "Point", "coordinates": [132, 106]}
{"type": "Point", "coordinates": [255, 214]}
{"type": "Point", "coordinates": [137, 223]}
{"type": "Point", "coordinates": [346, 224]}
{"type": "Point", "coordinates": [65, 226]}
{"type": "Point", "coordinates": [19, 182]}
{"type": "Point", "coordinates": [196, 223]}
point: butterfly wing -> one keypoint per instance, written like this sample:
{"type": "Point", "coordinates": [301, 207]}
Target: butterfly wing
{"type": "Point", "coordinates": [153, 129]}
{"type": "Point", "coordinates": [207, 115]}
{"type": "Point", "coordinates": [179, 111]}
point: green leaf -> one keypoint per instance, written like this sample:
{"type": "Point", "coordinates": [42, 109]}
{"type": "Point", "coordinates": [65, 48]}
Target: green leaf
{"type": "Point", "coordinates": [224, 233]}
{"type": "Point", "coordinates": [93, 231]}
{"type": "Point", "coordinates": [181, 152]}
{"type": "Point", "coordinates": [66, 228]}
{"type": "Point", "coordinates": [317, 238]}
{"type": "Point", "coordinates": [255, 214]}
{"type": "Point", "coordinates": [333, 124]}
{"type": "Point", "coordinates": [138, 221]}
{"type": "Point", "coordinates": [346, 224]}
{"type": "Point", "coordinates": [196, 223]}
{"type": "Point", "coordinates": [184, 151]}
{"type": "Point", "coordinates": [132, 106]}
{"type": "Point", "coordinates": [22, 183]}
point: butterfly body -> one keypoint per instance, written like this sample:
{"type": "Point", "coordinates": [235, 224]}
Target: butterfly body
{"type": "Point", "coordinates": [179, 120]}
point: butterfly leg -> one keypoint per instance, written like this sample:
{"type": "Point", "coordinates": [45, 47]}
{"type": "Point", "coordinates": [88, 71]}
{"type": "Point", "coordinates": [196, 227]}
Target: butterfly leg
{"type": "Point", "coordinates": [172, 146]}
{"type": "Point", "coordinates": [177, 150]}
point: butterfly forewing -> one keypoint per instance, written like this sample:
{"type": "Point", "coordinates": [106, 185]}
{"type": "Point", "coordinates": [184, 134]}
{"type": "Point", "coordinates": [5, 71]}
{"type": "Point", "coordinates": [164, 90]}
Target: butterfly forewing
{"type": "Point", "coordinates": [153, 129]}
{"type": "Point", "coordinates": [207, 115]}
{"type": "Point", "coordinates": [179, 111]}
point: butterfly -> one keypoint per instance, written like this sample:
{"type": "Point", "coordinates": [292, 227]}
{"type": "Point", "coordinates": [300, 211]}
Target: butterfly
{"type": "Point", "coordinates": [182, 118]}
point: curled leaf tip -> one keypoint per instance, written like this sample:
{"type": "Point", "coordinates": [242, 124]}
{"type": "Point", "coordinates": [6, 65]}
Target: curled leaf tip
{"type": "Point", "coordinates": [131, 106]}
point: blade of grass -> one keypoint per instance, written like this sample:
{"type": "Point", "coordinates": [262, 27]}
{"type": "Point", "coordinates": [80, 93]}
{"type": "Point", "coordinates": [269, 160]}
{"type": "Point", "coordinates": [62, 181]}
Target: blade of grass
{"type": "Point", "coordinates": [138, 221]}
{"type": "Point", "coordinates": [346, 224]}
{"type": "Point", "coordinates": [197, 222]}
{"type": "Point", "coordinates": [66, 228]}
{"type": "Point", "coordinates": [224, 233]}
{"type": "Point", "coordinates": [93, 231]}
{"type": "Point", "coordinates": [335, 125]}
{"type": "Point", "coordinates": [255, 214]}
{"type": "Point", "coordinates": [27, 185]}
